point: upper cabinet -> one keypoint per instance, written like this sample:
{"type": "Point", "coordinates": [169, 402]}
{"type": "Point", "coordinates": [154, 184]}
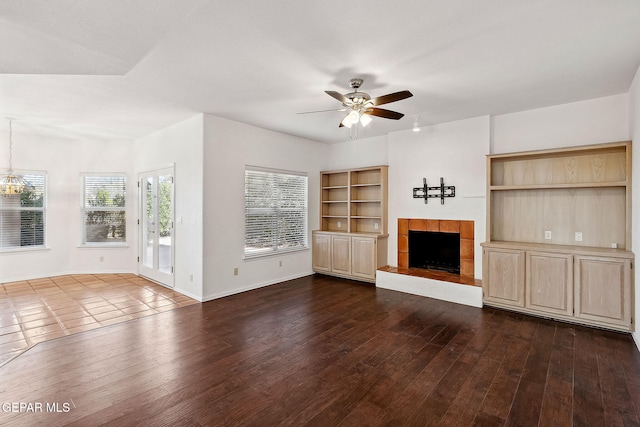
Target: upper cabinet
{"type": "Point", "coordinates": [355, 200]}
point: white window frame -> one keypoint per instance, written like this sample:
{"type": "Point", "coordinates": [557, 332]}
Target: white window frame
{"type": "Point", "coordinates": [42, 209]}
{"type": "Point", "coordinates": [85, 209]}
{"type": "Point", "coordinates": [276, 208]}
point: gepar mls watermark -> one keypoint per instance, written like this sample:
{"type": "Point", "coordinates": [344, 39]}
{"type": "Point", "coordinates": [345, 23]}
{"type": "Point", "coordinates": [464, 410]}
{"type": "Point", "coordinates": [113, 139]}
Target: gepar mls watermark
{"type": "Point", "coordinates": [37, 407]}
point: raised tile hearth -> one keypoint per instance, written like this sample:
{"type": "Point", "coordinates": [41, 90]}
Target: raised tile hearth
{"type": "Point", "coordinates": [460, 289]}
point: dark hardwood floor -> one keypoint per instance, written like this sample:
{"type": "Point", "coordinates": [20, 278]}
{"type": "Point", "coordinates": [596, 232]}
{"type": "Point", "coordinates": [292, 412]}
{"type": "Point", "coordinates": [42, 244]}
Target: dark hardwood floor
{"type": "Point", "coordinates": [327, 352]}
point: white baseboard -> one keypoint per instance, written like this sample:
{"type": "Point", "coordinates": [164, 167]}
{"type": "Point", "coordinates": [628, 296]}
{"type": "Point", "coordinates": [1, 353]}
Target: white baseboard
{"type": "Point", "coordinates": [446, 291]}
{"type": "Point", "coordinates": [636, 338]}
{"type": "Point", "coordinates": [188, 294]}
{"type": "Point", "coordinates": [254, 286]}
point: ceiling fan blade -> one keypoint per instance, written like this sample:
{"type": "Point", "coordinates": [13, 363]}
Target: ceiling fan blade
{"type": "Point", "coordinates": [337, 95]}
{"type": "Point", "coordinates": [392, 97]}
{"type": "Point", "coordinates": [381, 112]}
{"type": "Point", "coordinates": [322, 111]}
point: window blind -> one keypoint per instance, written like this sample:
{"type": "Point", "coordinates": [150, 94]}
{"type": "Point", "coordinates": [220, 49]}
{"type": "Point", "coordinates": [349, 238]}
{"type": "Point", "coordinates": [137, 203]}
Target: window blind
{"type": "Point", "coordinates": [104, 206]}
{"type": "Point", "coordinates": [22, 216]}
{"type": "Point", "coordinates": [275, 211]}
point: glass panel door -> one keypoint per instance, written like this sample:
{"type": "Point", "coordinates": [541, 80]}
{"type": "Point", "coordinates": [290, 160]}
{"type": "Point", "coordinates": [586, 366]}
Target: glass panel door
{"type": "Point", "coordinates": [156, 226]}
{"type": "Point", "coordinates": [164, 217]}
{"type": "Point", "coordinates": [148, 222]}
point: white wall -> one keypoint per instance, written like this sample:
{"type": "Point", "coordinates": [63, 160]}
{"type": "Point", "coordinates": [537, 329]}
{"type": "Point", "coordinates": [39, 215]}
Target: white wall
{"type": "Point", "coordinates": [594, 121]}
{"type": "Point", "coordinates": [64, 160]}
{"type": "Point", "coordinates": [358, 153]}
{"type": "Point", "coordinates": [181, 145]}
{"type": "Point", "coordinates": [228, 147]}
{"type": "Point", "coordinates": [634, 130]}
{"type": "Point", "coordinates": [455, 151]}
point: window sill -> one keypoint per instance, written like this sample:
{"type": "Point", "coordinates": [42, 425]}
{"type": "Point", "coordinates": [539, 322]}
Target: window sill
{"type": "Point", "coordinates": [103, 246]}
{"type": "Point", "coordinates": [272, 254]}
{"type": "Point", "coordinates": [12, 251]}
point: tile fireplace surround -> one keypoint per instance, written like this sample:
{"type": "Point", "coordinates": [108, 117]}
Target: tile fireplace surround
{"type": "Point", "coordinates": [460, 289]}
{"type": "Point", "coordinates": [465, 228]}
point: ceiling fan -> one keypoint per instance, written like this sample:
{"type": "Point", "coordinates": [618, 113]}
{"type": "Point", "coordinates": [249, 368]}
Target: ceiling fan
{"type": "Point", "coordinates": [360, 106]}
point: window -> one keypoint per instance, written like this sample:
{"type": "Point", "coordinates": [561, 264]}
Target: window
{"type": "Point", "coordinates": [104, 209]}
{"type": "Point", "coordinates": [22, 216]}
{"type": "Point", "coordinates": [275, 211]}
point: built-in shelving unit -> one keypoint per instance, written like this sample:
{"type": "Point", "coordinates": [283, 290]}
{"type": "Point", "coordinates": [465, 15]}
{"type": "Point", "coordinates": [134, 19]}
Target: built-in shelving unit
{"type": "Point", "coordinates": [352, 239]}
{"type": "Point", "coordinates": [334, 200]}
{"type": "Point", "coordinates": [354, 201]}
{"type": "Point", "coordinates": [559, 230]}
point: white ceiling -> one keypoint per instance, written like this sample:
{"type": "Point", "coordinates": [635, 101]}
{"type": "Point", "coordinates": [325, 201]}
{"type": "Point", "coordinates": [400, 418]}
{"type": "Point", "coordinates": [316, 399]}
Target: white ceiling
{"type": "Point", "coordinates": [122, 69]}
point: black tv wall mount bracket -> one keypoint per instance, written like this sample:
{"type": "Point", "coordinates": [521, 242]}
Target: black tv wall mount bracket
{"type": "Point", "coordinates": [442, 191]}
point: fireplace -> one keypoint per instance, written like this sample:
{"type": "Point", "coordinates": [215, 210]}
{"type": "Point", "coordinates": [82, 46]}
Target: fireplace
{"type": "Point", "coordinates": [433, 250]}
{"type": "Point", "coordinates": [460, 230]}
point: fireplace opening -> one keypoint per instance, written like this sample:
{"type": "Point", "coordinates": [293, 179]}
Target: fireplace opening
{"type": "Point", "coordinates": [434, 251]}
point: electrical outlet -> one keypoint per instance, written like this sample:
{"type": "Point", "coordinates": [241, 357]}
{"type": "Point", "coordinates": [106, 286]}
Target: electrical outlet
{"type": "Point", "coordinates": [339, 224]}
{"type": "Point", "coordinates": [614, 245]}
{"type": "Point", "coordinates": [280, 264]}
{"type": "Point", "coordinates": [191, 277]}
{"type": "Point", "coordinates": [376, 225]}
{"type": "Point", "coordinates": [578, 236]}
{"type": "Point", "coordinates": [235, 271]}
{"type": "Point", "coordinates": [101, 259]}
{"type": "Point", "coordinates": [547, 235]}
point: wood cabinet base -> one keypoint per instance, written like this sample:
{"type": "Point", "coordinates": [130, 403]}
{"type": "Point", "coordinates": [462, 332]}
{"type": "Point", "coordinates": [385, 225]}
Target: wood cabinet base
{"type": "Point", "coordinates": [354, 256]}
{"type": "Point", "coordinates": [589, 286]}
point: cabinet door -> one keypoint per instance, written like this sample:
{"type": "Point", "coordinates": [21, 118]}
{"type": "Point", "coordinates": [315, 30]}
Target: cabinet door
{"type": "Point", "coordinates": [321, 252]}
{"type": "Point", "coordinates": [341, 254]}
{"type": "Point", "coordinates": [549, 282]}
{"type": "Point", "coordinates": [363, 261]}
{"type": "Point", "coordinates": [603, 289]}
{"type": "Point", "coordinates": [503, 276]}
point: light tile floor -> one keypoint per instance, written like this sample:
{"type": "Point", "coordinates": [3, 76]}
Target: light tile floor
{"type": "Point", "coordinates": [33, 311]}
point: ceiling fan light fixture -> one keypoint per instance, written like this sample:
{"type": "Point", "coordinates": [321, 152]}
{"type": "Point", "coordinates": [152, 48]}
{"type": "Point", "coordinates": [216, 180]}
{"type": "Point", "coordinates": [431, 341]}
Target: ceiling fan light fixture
{"type": "Point", "coordinates": [351, 118]}
{"type": "Point", "coordinates": [346, 121]}
{"type": "Point", "coordinates": [365, 119]}
{"type": "Point", "coordinates": [416, 125]}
